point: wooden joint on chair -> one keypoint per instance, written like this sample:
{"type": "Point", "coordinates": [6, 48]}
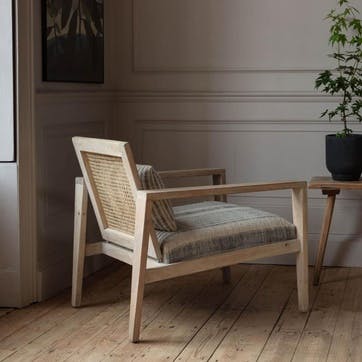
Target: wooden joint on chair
{"type": "Point", "coordinates": [80, 180]}
{"type": "Point", "coordinates": [299, 185]}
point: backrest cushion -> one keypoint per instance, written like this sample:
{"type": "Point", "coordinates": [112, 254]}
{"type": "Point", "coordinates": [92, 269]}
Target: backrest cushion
{"type": "Point", "coordinates": [162, 214]}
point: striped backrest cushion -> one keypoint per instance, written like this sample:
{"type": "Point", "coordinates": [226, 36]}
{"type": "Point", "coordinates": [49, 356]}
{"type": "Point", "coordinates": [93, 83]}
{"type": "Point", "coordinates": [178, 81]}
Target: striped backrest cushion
{"type": "Point", "coordinates": [162, 214]}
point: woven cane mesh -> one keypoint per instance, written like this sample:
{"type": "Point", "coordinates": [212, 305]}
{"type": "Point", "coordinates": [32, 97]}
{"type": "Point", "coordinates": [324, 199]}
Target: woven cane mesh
{"type": "Point", "coordinates": [113, 190]}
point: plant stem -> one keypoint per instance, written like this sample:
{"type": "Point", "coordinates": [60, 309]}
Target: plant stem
{"type": "Point", "coordinates": [344, 118]}
{"type": "Point", "coordinates": [339, 60]}
{"type": "Point", "coordinates": [355, 67]}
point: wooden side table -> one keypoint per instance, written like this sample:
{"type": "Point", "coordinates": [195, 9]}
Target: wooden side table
{"type": "Point", "coordinates": [330, 188]}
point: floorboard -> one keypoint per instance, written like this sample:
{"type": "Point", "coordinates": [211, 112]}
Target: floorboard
{"type": "Point", "coordinates": [347, 337]}
{"type": "Point", "coordinates": [5, 311]}
{"type": "Point", "coordinates": [195, 318]}
{"type": "Point", "coordinates": [247, 337]}
{"type": "Point", "coordinates": [317, 335]}
{"type": "Point", "coordinates": [208, 338]}
{"type": "Point", "coordinates": [286, 334]}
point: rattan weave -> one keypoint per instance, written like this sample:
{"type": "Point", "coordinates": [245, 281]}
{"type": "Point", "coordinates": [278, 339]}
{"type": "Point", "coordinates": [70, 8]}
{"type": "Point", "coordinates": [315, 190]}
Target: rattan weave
{"type": "Point", "coordinates": [113, 191]}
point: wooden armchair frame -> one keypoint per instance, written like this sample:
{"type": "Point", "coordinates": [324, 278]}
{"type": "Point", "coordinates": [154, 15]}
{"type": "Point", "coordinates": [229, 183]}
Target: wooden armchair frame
{"type": "Point", "coordinates": [141, 249]}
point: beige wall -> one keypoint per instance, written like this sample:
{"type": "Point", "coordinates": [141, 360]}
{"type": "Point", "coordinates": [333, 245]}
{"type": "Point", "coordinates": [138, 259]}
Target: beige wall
{"type": "Point", "coordinates": [64, 110]}
{"type": "Point", "coordinates": [196, 83]}
{"type": "Point", "coordinates": [230, 83]}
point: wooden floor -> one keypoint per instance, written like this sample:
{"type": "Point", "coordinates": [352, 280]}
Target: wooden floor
{"type": "Point", "coordinates": [255, 318]}
{"type": "Point", "coordinates": [4, 311]}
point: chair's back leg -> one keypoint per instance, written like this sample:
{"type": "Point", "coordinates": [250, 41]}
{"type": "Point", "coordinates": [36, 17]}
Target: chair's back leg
{"type": "Point", "coordinates": [299, 197]}
{"type": "Point", "coordinates": [220, 179]}
{"type": "Point", "coordinates": [142, 227]}
{"type": "Point", "coordinates": [80, 225]}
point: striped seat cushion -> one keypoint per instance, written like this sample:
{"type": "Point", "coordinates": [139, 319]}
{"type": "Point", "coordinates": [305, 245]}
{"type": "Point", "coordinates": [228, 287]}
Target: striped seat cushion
{"type": "Point", "coordinates": [162, 213]}
{"type": "Point", "coordinates": [212, 227]}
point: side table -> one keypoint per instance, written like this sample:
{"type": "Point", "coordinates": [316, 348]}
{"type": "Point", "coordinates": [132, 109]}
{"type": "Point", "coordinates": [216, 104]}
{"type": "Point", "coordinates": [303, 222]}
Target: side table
{"type": "Point", "coordinates": [331, 188]}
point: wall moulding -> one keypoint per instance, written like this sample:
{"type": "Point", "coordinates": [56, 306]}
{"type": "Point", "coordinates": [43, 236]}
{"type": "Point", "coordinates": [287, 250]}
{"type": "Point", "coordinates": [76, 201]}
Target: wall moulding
{"type": "Point", "coordinates": [226, 69]}
{"type": "Point", "coordinates": [221, 96]}
{"type": "Point", "coordinates": [171, 96]}
{"type": "Point", "coordinates": [66, 97]}
{"type": "Point", "coordinates": [234, 125]}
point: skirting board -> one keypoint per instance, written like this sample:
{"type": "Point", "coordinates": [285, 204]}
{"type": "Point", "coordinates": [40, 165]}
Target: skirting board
{"type": "Point", "coordinates": [10, 293]}
{"type": "Point", "coordinates": [58, 277]}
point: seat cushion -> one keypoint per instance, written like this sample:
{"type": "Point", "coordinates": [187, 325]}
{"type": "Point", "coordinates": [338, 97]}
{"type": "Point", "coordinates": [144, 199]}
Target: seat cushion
{"type": "Point", "coordinates": [162, 213]}
{"type": "Point", "coordinates": [211, 227]}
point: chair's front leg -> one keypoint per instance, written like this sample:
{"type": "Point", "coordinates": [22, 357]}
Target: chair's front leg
{"type": "Point", "coordinates": [142, 227]}
{"type": "Point", "coordinates": [80, 225]}
{"type": "Point", "coordinates": [300, 220]}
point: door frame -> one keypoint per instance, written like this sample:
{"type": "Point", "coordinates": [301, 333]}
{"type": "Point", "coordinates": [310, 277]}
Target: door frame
{"type": "Point", "coordinates": [26, 152]}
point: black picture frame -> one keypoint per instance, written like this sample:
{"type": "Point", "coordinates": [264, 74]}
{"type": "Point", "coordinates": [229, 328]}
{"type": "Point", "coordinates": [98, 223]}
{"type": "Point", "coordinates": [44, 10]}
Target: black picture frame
{"type": "Point", "coordinates": [73, 41]}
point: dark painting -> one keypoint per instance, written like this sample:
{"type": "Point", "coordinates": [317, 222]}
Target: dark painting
{"type": "Point", "coordinates": [73, 41]}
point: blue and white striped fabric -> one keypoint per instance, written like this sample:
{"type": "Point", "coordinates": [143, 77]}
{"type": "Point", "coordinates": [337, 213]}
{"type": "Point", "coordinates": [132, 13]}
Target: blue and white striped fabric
{"type": "Point", "coordinates": [211, 227]}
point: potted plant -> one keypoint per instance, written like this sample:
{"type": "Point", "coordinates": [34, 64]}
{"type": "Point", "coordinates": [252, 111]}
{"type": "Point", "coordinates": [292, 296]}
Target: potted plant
{"type": "Point", "coordinates": [344, 149]}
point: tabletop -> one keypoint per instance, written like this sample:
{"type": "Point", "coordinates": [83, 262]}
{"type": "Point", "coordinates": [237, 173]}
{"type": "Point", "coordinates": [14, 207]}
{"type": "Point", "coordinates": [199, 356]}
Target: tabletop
{"type": "Point", "coordinates": [325, 182]}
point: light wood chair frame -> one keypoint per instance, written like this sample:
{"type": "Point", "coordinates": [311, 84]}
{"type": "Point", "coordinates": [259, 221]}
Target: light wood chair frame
{"type": "Point", "coordinates": [142, 251]}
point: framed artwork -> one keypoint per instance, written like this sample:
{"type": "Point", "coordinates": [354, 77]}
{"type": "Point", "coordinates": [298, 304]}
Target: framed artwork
{"type": "Point", "coordinates": [73, 40]}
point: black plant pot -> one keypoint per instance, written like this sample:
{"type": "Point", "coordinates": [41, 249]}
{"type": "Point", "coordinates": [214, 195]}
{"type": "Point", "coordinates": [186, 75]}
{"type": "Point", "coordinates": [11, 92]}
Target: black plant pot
{"type": "Point", "coordinates": [344, 157]}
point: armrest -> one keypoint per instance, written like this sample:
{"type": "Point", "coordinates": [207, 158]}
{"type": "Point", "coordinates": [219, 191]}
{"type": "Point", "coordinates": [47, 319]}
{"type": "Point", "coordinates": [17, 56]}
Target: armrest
{"type": "Point", "coordinates": [192, 172]}
{"type": "Point", "coordinates": [198, 191]}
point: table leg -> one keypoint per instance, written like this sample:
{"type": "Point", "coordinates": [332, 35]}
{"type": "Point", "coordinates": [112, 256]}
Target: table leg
{"type": "Point", "coordinates": [328, 212]}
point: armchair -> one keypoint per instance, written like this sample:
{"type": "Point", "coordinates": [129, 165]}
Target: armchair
{"type": "Point", "coordinates": [210, 235]}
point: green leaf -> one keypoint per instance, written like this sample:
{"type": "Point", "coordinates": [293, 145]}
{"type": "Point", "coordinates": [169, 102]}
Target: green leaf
{"type": "Point", "coordinates": [342, 2]}
{"type": "Point", "coordinates": [345, 35]}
